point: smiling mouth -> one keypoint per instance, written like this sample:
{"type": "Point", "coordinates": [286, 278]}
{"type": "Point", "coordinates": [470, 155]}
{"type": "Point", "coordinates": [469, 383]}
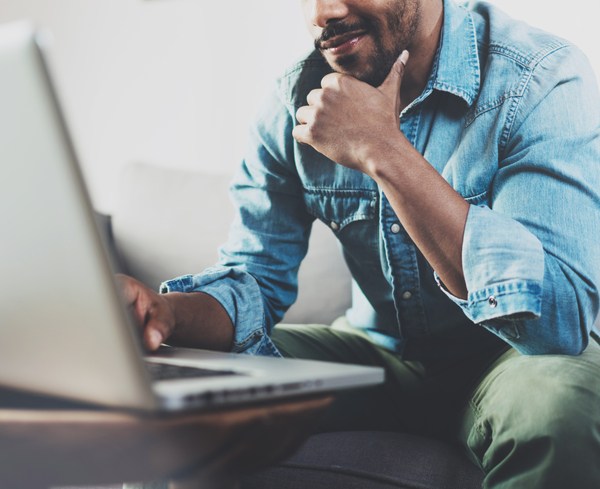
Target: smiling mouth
{"type": "Point", "coordinates": [338, 41]}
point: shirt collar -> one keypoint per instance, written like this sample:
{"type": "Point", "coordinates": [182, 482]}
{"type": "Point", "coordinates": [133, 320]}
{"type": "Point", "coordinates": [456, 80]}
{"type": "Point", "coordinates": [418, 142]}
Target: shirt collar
{"type": "Point", "coordinates": [456, 68]}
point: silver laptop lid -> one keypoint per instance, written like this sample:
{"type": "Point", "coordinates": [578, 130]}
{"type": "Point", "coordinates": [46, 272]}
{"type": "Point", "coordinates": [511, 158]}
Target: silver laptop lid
{"type": "Point", "coordinates": [64, 331]}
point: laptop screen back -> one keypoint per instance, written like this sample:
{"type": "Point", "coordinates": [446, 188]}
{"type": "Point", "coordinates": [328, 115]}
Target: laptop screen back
{"type": "Point", "coordinates": [64, 331]}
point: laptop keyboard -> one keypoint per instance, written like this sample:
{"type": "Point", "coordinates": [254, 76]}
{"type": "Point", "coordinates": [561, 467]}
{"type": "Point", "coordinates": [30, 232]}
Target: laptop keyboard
{"type": "Point", "coordinates": [165, 371]}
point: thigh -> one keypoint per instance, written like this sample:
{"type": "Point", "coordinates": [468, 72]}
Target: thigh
{"type": "Point", "coordinates": [415, 398]}
{"type": "Point", "coordinates": [384, 407]}
{"type": "Point", "coordinates": [534, 421]}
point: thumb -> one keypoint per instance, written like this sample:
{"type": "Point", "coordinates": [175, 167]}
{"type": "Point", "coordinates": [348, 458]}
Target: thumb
{"type": "Point", "coordinates": [391, 85]}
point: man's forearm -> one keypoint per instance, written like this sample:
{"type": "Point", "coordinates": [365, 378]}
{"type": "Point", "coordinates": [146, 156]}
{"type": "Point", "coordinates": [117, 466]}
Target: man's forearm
{"type": "Point", "coordinates": [431, 211]}
{"type": "Point", "coordinates": [200, 322]}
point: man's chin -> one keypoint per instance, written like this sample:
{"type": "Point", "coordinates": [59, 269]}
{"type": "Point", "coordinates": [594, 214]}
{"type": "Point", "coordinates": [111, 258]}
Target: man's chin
{"type": "Point", "coordinates": [351, 65]}
{"type": "Point", "coordinates": [342, 64]}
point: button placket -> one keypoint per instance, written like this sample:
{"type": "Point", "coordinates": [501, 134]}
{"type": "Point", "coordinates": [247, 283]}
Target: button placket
{"type": "Point", "coordinates": [402, 259]}
{"type": "Point", "coordinates": [402, 254]}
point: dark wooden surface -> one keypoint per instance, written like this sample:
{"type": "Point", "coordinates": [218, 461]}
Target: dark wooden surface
{"type": "Point", "coordinates": [46, 447]}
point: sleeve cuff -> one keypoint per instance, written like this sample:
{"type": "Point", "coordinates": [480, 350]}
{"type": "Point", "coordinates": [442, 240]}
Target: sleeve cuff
{"type": "Point", "coordinates": [503, 265]}
{"type": "Point", "coordinates": [517, 299]}
{"type": "Point", "coordinates": [239, 294]}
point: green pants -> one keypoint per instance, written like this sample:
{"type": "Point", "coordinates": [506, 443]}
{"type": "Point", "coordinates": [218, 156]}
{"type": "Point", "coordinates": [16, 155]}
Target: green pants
{"type": "Point", "coordinates": [529, 421]}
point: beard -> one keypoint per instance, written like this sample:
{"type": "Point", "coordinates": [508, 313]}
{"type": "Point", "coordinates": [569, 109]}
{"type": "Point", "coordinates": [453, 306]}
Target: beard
{"type": "Point", "coordinates": [390, 37]}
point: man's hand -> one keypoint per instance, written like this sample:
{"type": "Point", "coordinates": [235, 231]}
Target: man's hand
{"type": "Point", "coordinates": [194, 319]}
{"type": "Point", "coordinates": [348, 120]}
{"type": "Point", "coordinates": [151, 311]}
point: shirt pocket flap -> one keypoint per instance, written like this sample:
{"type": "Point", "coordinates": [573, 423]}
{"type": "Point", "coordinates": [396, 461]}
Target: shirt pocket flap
{"type": "Point", "coordinates": [337, 208]}
{"type": "Point", "coordinates": [478, 199]}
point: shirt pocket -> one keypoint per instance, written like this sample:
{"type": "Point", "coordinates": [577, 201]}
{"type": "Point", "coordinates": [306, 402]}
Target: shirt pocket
{"type": "Point", "coordinates": [342, 209]}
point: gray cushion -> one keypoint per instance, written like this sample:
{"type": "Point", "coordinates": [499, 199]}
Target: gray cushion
{"type": "Point", "coordinates": [371, 460]}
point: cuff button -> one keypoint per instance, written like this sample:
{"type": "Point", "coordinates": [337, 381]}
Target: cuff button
{"type": "Point", "coordinates": [492, 301]}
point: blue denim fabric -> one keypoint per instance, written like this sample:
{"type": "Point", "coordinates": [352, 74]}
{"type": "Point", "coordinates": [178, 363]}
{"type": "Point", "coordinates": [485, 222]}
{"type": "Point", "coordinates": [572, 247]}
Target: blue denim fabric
{"type": "Point", "coordinates": [510, 117]}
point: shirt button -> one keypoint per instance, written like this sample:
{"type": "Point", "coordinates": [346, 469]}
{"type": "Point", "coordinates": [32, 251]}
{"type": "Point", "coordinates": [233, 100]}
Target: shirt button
{"type": "Point", "coordinates": [335, 226]}
{"type": "Point", "coordinates": [395, 228]}
{"type": "Point", "coordinates": [492, 301]}
{"type": "Point", "coordinates": [407, 295]}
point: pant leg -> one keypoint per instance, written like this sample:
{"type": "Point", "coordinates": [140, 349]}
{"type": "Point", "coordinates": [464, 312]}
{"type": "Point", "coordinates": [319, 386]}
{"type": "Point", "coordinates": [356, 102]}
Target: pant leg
{"type": "Point", "coordinates": [534, 422]}
{"type": "Point", "coordinates": [384, 407]}
{"type": "Point", "coordinates": [423, 399]}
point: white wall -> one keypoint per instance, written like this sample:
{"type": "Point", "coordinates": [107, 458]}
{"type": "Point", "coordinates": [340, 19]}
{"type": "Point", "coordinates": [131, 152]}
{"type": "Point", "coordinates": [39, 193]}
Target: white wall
{"type": "Point", "coordinates": [176, 82]}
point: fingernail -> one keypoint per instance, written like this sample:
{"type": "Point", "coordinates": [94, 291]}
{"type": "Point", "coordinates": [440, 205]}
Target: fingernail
{"type": "Point", "coordinates": [404, 57]}
{"type": "Point", "coordinates": [155, 338]}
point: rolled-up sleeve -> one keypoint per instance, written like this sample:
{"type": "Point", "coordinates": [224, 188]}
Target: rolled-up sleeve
{"type": "Point", "coordinates": [255, 279]}
{"type": "Point", "coordinates": [238, 293]}
{"type": "Point", "coordinates": [531, 258]}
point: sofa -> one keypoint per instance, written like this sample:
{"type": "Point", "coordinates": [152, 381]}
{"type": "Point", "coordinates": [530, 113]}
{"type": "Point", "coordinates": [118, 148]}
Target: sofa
{"type": "Point", "coordinates": [167, 222]}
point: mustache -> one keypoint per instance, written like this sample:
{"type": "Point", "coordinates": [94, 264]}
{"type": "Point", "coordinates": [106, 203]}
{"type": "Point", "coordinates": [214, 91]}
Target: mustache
{"type": "Point", "coordinates": [339, 28]}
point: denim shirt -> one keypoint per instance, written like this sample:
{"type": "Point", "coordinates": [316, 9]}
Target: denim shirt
{"type": "Point", "coordinates": [510, 117]}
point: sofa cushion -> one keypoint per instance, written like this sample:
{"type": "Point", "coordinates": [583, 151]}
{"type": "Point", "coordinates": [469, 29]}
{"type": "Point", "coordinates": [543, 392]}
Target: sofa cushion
{"type": "Point", "coordinates": [169, 222]}
{"type": "Point", "coordinates": [371, 460]}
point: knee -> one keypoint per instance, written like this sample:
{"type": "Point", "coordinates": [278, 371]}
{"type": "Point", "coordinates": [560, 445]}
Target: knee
{"type": "Point", "coordinates": [554, 408]}
{"type": "Point", "coordinates": [549, 426]}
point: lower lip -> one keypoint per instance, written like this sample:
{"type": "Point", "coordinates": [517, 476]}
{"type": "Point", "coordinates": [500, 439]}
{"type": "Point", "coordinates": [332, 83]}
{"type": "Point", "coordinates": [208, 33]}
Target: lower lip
{"type": "Point", "coordinates": [347, 47]}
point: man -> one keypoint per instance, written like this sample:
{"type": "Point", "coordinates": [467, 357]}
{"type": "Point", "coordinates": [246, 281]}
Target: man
{"type": "Point", "coordinates": [455, 153]}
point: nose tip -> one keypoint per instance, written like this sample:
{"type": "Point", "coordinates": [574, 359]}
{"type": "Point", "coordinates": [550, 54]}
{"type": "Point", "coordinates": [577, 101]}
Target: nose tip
{"type": "Point", "coordinates": [327, 11]}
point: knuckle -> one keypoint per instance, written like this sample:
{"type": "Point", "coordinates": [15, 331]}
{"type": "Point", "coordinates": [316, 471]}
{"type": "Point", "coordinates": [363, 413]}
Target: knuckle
{"type": "Point", "coordinates": [342, 81]}
{"type": "Point", "coordinates": [299, 134]}
{"type": "Point", "coordinates": [331, 80]}
{"type": "Point", "coordinates": [314, 97]}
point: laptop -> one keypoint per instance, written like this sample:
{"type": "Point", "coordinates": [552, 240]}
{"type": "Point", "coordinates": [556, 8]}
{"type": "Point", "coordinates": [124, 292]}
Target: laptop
{"type": "Point", "coordinates": [65, 331]}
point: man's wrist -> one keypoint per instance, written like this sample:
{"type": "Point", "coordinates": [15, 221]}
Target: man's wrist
{"type": "Point", "coordinates": [386, 155]}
